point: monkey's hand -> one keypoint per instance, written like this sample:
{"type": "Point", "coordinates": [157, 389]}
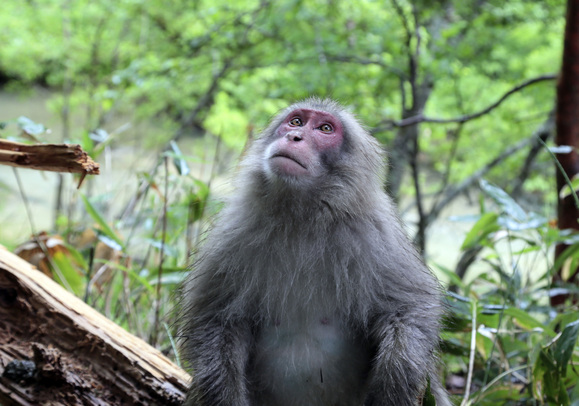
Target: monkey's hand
{"type": "Point", "coordinates": [218, 354]}
{"type": "Point", "coordinates": [403, 361]}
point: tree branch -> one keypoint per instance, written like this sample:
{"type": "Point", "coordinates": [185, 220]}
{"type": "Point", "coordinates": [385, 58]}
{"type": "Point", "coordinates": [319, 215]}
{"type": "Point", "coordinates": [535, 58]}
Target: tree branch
{"type": "Point", "coordinates": [404, 21]}
{"type": "Point", "coordinates": [47, 157]}
{"type": "Point", "coordinates": [420, 118]}
{"type": "Point", "coordinates": [465, 184]}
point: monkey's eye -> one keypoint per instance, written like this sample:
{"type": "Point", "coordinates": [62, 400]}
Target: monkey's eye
{"type": "Point", "coordinates": [326, 128]}
{"type": "Point", "coordinates": [296, 122]}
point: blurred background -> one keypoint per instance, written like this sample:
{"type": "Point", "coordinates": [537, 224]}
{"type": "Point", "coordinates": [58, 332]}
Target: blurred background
{"type": "Point", "coordinates": [166, 94]}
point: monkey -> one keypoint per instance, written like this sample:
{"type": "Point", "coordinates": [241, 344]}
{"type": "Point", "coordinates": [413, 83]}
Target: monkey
{"type": "Point", "coordinates": [306, 291]}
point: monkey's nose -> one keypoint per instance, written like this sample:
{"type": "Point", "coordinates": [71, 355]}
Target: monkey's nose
{"type": "Point", "coordinates": [294, 136]}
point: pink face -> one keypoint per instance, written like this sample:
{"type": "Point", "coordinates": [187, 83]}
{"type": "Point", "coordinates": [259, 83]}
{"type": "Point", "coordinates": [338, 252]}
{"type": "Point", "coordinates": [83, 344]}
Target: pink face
{"type": "Point", "coordinates": [301, 140]}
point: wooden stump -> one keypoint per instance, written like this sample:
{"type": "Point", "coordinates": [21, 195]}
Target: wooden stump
{"type": "Point", "coordinates": [57, 350]}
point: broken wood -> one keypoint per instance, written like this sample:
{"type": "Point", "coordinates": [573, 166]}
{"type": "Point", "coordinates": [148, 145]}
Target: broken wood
{"type": "Point", "coordinates": [47, 157]}
{"type": "Point", "coordinates": [57, 350]}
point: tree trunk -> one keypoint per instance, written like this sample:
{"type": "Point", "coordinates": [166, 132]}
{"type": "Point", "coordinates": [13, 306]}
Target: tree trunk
{"type": "Point", "coordinates": [403, 145]}
{"type": "Point", "coordinates": [567, 122]}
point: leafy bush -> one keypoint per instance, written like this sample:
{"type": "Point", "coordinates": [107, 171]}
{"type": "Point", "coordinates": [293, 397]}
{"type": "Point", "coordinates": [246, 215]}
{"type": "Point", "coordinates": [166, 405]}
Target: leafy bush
{"type": "Point", "coordinates": [502, 335]}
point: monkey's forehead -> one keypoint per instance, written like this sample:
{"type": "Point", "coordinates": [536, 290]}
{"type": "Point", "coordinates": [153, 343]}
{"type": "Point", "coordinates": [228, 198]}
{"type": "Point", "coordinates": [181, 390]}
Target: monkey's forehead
{"type": "Point", "coordinates": [327, 106]}
{"type": "Point", "coordinates": [308, 113]}
{"type": "Point", "coordinates": [314, 103]}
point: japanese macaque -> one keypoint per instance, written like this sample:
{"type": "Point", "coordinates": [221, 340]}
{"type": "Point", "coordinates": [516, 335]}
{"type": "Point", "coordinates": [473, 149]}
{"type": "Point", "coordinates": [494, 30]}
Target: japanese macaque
{"type": "Point", "coordinates": [307, 291]}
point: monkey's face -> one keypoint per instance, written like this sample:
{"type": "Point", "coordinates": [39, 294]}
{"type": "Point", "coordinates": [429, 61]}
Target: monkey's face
{"type": "Point", "coordinates": [303, 144]}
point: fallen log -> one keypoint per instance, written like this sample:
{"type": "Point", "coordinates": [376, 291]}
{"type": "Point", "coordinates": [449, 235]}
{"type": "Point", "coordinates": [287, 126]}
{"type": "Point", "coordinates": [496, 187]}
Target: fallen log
{"type": "Point", "coordinates": [57, 350]}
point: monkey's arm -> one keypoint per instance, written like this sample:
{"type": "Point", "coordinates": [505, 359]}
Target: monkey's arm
{"type": "Point", "coordinates": [216, 345]}
{"type": "Point", "coordinates": [218, 353]}
{"type": "Point", "coordinates": [404, 321]}
{"type": "Point", "coordinates": [403, 359]}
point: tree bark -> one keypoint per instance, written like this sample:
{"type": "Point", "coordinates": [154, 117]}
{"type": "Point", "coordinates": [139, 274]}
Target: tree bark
{"type": "Point", "coordinates": [402, 146]}
{"type": "Point", "coordinates": [47, 157]}
{"type": "Point", "coordinates": [56, 350]}
{"type": "Point", "coordinates": [567, 124]}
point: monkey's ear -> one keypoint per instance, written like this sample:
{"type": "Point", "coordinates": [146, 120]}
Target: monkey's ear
{"type": "Point", "coordinates": [428, 398]}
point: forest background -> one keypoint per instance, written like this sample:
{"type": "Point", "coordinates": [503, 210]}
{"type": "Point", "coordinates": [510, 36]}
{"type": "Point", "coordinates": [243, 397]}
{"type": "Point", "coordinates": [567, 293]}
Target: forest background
{"type": "Point", "coordinates": [165, 95]}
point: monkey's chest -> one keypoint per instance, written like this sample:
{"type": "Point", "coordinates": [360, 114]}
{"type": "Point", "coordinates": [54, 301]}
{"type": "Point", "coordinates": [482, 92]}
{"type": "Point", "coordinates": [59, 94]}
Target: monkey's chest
{"type": "Point", "coordinates": [313, 362]}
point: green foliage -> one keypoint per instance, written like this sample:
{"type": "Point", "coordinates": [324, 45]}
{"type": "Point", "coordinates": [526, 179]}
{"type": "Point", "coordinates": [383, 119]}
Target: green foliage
{"type": "Point", "coordinates": [139, 246]}
{"type": "Point", "coordinates": [67, 273]}
{"type": "Point", "coordinates": [104, 227]}
{"type": "Point", "coordinates": [208, 63]}
{"type": "Point", "coordinates": [525, 352]}
{"type": "Point", "coordinates": [216, 69]}
{"type": "Point", "coordinates": [484, 227]}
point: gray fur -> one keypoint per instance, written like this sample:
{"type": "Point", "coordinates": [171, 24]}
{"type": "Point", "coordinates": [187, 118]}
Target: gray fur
{"type": "Point", "coordinates": [308, 292]}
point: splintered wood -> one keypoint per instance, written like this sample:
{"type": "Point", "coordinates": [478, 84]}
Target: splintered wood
{"type": "Point", "coordinates": [47, 157]}
{"type": "Point", "coordinates": [57, 350]}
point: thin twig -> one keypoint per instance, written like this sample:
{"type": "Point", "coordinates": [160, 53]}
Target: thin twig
{"type": "Point", "coordinates": [471, 356]}
{"type": "Point", "coordinates": [499, 377]}
{"type": "Point", "coordinates": [67, 87]}
{"type": "Point", "coordinates": [563, 173]}
{"type": "Point", "coordinates": [154, 333]}
{"type": "Point", "coordinates": [173, 344]}
{"type": "Point", "coordinates": [404, 20]}
{"type": "Point", "coordinates": [416, 34]}
{"type": "Point", "coordinates": [418, 196]}
{"type": "Point", "coordinates": [34, 231]}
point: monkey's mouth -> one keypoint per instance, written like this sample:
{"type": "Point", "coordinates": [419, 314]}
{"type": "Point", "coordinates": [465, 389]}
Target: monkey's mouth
{"type": "Point", "coordinates": [287, 156]}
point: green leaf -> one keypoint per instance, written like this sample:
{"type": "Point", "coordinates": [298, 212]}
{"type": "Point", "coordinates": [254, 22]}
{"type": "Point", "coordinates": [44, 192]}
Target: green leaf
{"type": "Point", "coordinates": [428, 399]}
{"type": "Point", "coordinates": [87, 143]}
{"type": "Point", "coordinates": [76, 256]}
{"type": "Point", "coordinates": [531, 222]}
{"type": "Point", "coordinates": [454, 347]}
{"type": "Point", "coordinates": [30, 127]}
{"type": "Point", "coordinates": [545, 378]}
{"type": "Point", "coordinates": [569, 189]}
{"type": "Point", "coordinates": [570, 252]}
{"type": "Point", "coordinates": [454, 279]}
{"type": "Point", "coordinates": [527, 321]}
{"type": "Point", "coordinates": [198, 201]}
{"type": "Point", "coordinates": [485, 226]}
{"type": "Point", "coordinates": [505, 201]}
{"type": "Point", "coordinates": [69, 272]}
{"type": "Point", "coordinates": [135, 276]}
{"type": "Point", "coordinates": [565, 345]}
{"type": "Point", "coordinates": [180, 163]}
{"type": "Point", "coordinates": [104, 227]}
{"type": "Point", "coordinates": [574, 395]}
{"type": "Point", "coordinates": [109, 242]}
